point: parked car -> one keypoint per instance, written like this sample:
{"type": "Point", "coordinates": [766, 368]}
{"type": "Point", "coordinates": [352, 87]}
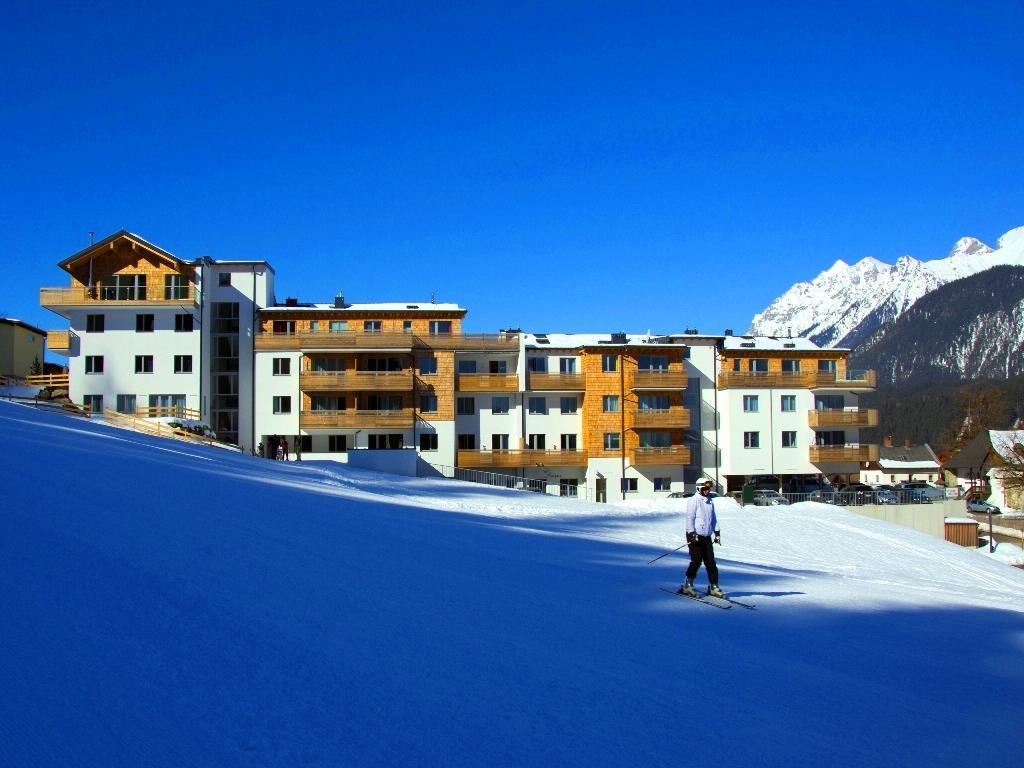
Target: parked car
{"type": "Point", "coordinates": [983, 507]}
{"type": "Point", "coordinates": [920, 491]}
{"type": "Point", "coordinates": [764, 498]}
{"type": "Point", "coordinates": [824, 496]}
{"type": "Point", "coordinates": [885, 496]}
{"type": "Point", "coordinates": [855, 493]}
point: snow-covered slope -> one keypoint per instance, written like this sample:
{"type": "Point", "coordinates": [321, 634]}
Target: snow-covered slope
{"type": "Point", "coordinates": [845, 304]}
{"type": "Point", "coordinates": [163, 604]}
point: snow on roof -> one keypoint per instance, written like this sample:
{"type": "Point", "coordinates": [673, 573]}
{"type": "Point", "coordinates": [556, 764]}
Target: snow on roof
{"type": "Point", "coordinates": [396, 306]}
{"type": "Point", "coordinates": [894, 464]}
{"type": "Point", "coordinates": [773, 344]}
{"type": "Point", "coordinates": [574, 340]}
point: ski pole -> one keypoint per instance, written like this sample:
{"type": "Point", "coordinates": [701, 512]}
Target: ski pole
{"type": "Point", "coordinates": [667, 554]}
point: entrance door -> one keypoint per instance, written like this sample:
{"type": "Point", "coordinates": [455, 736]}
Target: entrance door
{"type": "Point", "coordinates": [601, 491]}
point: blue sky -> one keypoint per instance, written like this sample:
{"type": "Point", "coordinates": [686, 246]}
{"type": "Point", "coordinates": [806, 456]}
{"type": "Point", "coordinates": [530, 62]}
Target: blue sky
{"type": "Point", "coordinates": [574, 167]}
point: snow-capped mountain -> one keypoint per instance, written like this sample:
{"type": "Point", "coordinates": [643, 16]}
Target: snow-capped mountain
{"type": "Point", "coordinates": [845, 304]}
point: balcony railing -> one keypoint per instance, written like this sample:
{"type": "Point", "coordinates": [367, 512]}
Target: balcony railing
{"type": "Point", "coordinates": [555, 382]}
{"type": "Point", "coordinates": [524, 457]}
{"type": "Point", "coordinates": [58, 342]}
{"type": "Point", "coordinates": [797, 379]}
{"type": "Point", "coordinates": [845, 417]}
{"type": "Point", "coordinates": [487, 382]}
{"type": "Point", "coordinates": [841, 454]}
{"type": "Point", "coordinates": [351, 340]}
{"type": "Point", "coordinates": [674, 454]}
{"type": "Point", "coordinates": [675, 417]}
{"type": "Point", "coordinates": [659, 379]}
{"type": "Point", "coordinates": [355, 419]}
{"type": "Point", "coordinates": [81, 296]}
{"type": "Point", "coordinates": [356, 381]}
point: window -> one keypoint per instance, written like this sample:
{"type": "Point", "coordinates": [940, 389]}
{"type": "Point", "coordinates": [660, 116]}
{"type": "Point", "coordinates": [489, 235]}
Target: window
{"type": "Point", "coordinates": [428, 442]}
{"type": "Point", "coordinates": [652, 362]}
{"type": "Point", "coordinates": [568, 442]}
{"type": "Point", "coordinates": [94, 363]}
{"type": "Point", "coordinates": [655, 440]}
{"type": "Point", "coordinates": [567, 365]}
{"type": "Point", "coordinates": [428, 403]}
{"type": "Point", "coordinates": [538, 405]}
{"type": "Point", "coordinates": [499, 404]}
{"type": "Point", "coordinates": [281, 327]}
{"type": "Point", "coordinates": [94, 323]}
{"type": "Point", "coordinates": [304, 444]}
{"type": "Point", "coordinates": [663, 483]}
{"type": "Point", "coordinates": [407, 326]}
{"type": "Point", "coordinates": [427, 366]}
{"type": "Point", "coordinates": [440, 327]}
{"type": "Point", "coordinates": [569, 404]}
{"type": "Point", "coordinates": [609, 363]}
{"type": "Point", "coordinates": [467, 366]}
{"type": "Point", "coordinates": [465, 406]}
{"type": "Point", "coordinates": [788, 403]}
{"type": "Point", "coordinates": [536, 442]}
{"type": "Point", "coordinates": [337, 326]}
{"type": "Point", "coordinates": [93, 403]}
{"type": "Point", "coordinates": [144, 323]}
{"type": "Point", "coordinates": [653, 403]}
{"type": "Point", "coordinates": [751, 439]}
{"type": "Point", "coordinates": [537, 364]}
{"type": "Point", "coordinates": [788, 439]}
{"type": "Point", "coordinates": [327, 365]}
{"type": "Point", "coordinates": [183, 323]}
{"type": "Point", "coordinates": [750, 403]}
{"type": "Point", "coordinates": [568, 486]}
{"type": "Point", "coordinates": [791, 366]}
{"type": "Point", "coordinates": [372, 326]}
{"type": "Point", "coordinates": [828, 402]}
{"type": "Point", "coordinates": [383, 403]}
{"type": "Point", "coordinates": [611, 441]}
{"type": "Point", "coordinates": [830, 437]}
{"type": "Point", "coordinates": [175, 287]}
{"type": "Point", "coordinates": [328, 403]}
{"type": "Point", "coordinates": [826, 366]}
{"type": "Point", "coordinates": [610, 403]}
{"type": "Point", "coordinates": [337, 443]}
{"type": "Point", "coordinates": [629, 484]}
{"type": "Point", "coordinates": [126, 403]}
{"type": "Point", "coordinates": [467, 442]}
{"type": "Point", "coordinates": [282, 366]}
{"type": "Point", "coordinates": [174, 403]}
{"type": "Point", "coordinates": [757, 365]}
{"type": "Point", "coordinates": [123, 288]}
{"type": "Point", "coordinates": [183, 363]}
{"type": "Point", "coordinates": [382, 364]}
{"type": "Point", "coordinates": [499, 442]}
{"type": "Point", "coordinates": [498, 366]}
{"type": "Point", "coordinates": [282, 404]}
{"type": "Point", "coordinates": [224, 279]}
{"type": "Point", "coordinates": [143, 363]}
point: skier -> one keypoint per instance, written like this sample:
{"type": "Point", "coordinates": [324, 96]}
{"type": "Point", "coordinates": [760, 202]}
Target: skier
{"type": "Point", "coordinates": [701, 535]}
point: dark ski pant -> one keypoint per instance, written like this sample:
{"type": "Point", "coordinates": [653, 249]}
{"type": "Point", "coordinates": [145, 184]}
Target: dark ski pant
{"type": "Point", "coordinates": [703, 551]}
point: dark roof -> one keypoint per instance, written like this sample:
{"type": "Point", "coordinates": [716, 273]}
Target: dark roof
{"type": "Point", "coordinates": [23, 324]}
{"type": "Point", "coordinates": [977, 454]}
{"type": "Point", "coordinates": [902, 453]}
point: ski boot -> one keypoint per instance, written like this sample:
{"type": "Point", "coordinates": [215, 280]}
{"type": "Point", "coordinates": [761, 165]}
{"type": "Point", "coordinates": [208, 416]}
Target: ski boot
{"type": "Point", "coordinates": [715, 591]}
{"type": "Point", "coordinates": [687, 589]}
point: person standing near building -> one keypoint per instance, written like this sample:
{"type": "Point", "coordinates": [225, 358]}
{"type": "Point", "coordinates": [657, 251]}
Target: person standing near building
{"type": "Point", "coordinates": [701, 536]}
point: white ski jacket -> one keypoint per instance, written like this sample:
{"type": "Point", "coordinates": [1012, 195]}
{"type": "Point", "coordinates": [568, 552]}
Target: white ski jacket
{"type": "Point", "coordinates": [700, 516]}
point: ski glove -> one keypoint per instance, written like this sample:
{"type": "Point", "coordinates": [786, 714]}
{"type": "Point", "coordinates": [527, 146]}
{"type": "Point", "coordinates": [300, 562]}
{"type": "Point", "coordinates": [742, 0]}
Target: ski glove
{"type": "Point", "coordinates": [691, 537]}
{"type": "Point", "coordinates": [718, 537]}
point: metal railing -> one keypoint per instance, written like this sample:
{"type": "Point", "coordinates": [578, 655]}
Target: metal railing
{"type": "Point", "coordinates": [495, 479]}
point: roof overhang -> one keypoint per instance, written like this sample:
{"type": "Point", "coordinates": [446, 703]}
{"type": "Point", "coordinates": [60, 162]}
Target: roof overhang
{"type": "Point", "coordinates": [111, 242]}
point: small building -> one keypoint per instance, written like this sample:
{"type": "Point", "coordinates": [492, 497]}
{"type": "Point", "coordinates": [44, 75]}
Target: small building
{"type": "Point", "coordinates": [979, 465]}
{"type": "Point", "coordinates": [21, 347]}
{"type": "Point", "coordinates": [897, 464]}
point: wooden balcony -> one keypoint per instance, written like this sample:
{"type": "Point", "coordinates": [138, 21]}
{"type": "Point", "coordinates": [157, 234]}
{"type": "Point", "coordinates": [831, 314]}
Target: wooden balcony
{"type": "Point", "coordinates": [487, 382]}
{"type": "Point", "coordinates": [403, 342]}
{"type": "Point", "coordinates": [58, 342]}
{"type": "Point", "coordinates": [843, 454]}
{"type": "Point", "coordinates": [356, 419]}
{"type": "Point", "coordinates": [651, 457]}
{"type": "Point", "coordinates": [555, 382]}
{"type": "Point", "coordinates": [864, 380]}
{"type": "Point", "coordinates": [481, 342]}
{"type": "Point", "coordinates": [675, 417]}
{"type": "Point", "coordinates": [356, 381]}
{"type": "Point", "coordinates": [659, 379]}
{"type": "Point", "coordinates": [80, 296]}
{"type": "Point", "coordinates": [847, 417]}
{"type": "Point", "coordinates": [857, 380]}
{"type": "Point", "coordinates": [59, 380]}
{"type": "Point", "coordinates": [515, 458]}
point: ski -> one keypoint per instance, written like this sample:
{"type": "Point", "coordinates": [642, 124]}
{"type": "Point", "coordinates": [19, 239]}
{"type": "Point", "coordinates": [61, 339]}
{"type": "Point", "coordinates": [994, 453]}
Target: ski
{"type": "Point", "coordinates": [712, 601]}
{"type": "Point", "coordinates": [748, 606]}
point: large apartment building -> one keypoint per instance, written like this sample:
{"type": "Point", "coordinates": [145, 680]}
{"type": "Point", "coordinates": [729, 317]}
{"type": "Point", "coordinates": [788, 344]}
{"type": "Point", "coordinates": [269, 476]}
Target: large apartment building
{"type": "Point", "coordinates": [600, 416]}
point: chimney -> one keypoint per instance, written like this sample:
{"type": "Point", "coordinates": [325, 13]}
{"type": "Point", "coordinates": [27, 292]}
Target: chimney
{"type": "Point", "coordinates": [888, 441]}
{"type": "Point", "coordinates": [728, 331]}
{"type": "Point", "coordinates": [339, 300]}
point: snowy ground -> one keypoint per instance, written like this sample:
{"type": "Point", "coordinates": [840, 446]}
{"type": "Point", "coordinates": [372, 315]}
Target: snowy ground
{"type": "Point", "coordinates": [165, 604]}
